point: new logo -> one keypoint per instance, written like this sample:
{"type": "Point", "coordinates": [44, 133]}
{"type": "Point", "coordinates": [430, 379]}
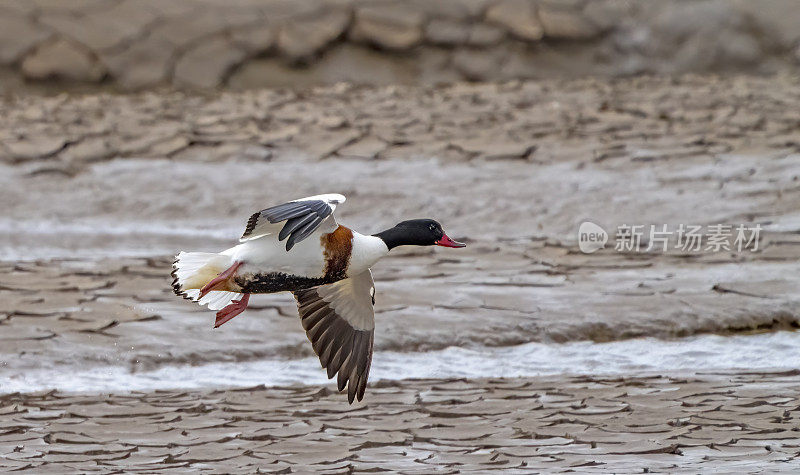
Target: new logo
{"type": "Point", "coordinates": [591, 237]}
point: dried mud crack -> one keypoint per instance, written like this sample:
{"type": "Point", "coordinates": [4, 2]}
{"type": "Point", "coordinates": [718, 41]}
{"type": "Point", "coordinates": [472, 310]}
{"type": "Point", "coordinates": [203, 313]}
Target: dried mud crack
{"type": "Point", "coordinates": [105, 188]}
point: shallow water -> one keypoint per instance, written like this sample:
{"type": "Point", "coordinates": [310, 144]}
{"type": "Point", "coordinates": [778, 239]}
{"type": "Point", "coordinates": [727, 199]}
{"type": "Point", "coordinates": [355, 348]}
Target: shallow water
{"type": "Point", "coordinates": [705, 353]}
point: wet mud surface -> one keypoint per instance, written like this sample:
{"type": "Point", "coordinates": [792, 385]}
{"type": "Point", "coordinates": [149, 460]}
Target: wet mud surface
{"type": "Point", "coordinates": [585, 424]}
{"type": "Point", "coordinates": [123, 312]}
{"type": "Point", "coordinates": [107, 188]}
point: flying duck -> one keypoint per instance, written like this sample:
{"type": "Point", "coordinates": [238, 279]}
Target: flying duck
{"type": "Point", "coordinates": [299, 247]}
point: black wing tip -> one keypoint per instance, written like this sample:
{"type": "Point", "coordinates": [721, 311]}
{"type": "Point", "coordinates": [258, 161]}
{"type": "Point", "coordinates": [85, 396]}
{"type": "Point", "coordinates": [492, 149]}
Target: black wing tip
{"type": "Point", "coordinates": [302, 219]}
{"type": "Point", "coordinates": [176, 286]}
{"type": "Point", "coordinates": [362, 381]}
{"type": "Point", "coordinates": [358, 369]}
{"type": "Point", "coordinates": [251, 224]}
{"type": "Point", "coordinates": [360, 389]}
{"type": "Point", "coordinates": [353, 370]}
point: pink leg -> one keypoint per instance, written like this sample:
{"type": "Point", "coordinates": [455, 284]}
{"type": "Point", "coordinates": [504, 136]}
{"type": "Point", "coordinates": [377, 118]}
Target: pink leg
{"type": "Point", "coordinates": [221, 277]}
{"type": "Point", "coordinates": [235, 308]}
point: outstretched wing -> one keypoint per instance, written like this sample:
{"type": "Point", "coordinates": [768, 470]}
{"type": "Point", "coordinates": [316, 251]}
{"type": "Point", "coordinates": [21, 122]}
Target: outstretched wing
{"type": "Point", "coordinates": [340, 323]}
{"type": "Point", "coordinates": [303, 217]}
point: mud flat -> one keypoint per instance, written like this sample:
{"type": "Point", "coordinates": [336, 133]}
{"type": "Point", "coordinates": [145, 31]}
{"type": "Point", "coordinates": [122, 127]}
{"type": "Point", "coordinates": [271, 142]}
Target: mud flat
{"type": "Point", "coordinates": [736, 422]}
{"type": "Point", "coordinates": [59, 315]}
{"type": "Point", "coordinates": [100, 205]}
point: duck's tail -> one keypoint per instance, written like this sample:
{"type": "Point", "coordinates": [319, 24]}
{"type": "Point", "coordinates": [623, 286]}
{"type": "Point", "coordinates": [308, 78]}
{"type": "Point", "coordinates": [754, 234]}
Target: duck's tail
{"type": "Point", "coordinates": [191, 271]}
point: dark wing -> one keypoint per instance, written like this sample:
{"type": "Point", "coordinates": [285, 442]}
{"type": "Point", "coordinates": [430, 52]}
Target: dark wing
{"type": "Point", "coordinates": [302, 217]}
{"type": "Point", "coordinates": [340, 323]}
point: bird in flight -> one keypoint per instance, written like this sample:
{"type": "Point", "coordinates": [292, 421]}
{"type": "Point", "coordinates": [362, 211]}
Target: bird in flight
{"type": "Point", "coordinates": [299, 247]}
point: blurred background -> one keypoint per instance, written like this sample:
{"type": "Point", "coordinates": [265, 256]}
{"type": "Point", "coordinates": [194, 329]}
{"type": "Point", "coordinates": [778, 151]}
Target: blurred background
{"type": "Point", "coordinates": [133, 129]}
{"type": "Point", "coordinates": [126, 45]}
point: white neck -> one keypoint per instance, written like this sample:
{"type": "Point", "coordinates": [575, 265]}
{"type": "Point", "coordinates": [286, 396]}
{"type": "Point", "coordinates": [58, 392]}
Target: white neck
{"type": "Point", "coordinates": [367, 250]}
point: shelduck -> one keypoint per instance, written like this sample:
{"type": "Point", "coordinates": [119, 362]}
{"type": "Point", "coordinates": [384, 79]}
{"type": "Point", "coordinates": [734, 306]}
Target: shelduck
{"type": "Point", "coordinates": [299, 247]}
